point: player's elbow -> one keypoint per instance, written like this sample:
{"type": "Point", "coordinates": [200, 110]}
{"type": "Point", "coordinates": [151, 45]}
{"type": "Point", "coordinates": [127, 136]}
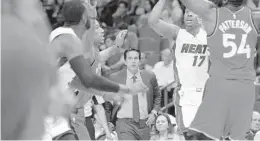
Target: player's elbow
{"type": "Point", "coordinates": [87, 79]}
{"type": "Point", "coordinates": [82, 70]}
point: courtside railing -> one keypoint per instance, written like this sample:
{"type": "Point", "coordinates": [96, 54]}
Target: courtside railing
{"type": "Point", "coordinates": [164, 90]}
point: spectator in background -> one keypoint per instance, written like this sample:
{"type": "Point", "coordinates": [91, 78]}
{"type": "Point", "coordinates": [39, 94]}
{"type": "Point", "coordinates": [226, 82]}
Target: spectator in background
{"type": "Point", "coordinates": [143, 11]}
{"type": "Point", "coordinates": [133, 7]}
{"type": "Point", "coordinates": [255, 126]}
{"type": "Point", "coordinates": [165, 75]}
{"type": "Point", "coordinates": [116, 62]}
{"type": "Point", "coordinates": [164, 69]}
{"type": "Point", "coordinates": [143, 63]}
{"type": "Point", "coordinates": [164, 128]}
{"type": "Point", "coordinates": [107, 12]}
{"type": "Point", "coordinates": [148, 5]}
{"type": "Point", "coordinates": [109, 41]}
{"type": "Point", "coordinates": [120, 16]}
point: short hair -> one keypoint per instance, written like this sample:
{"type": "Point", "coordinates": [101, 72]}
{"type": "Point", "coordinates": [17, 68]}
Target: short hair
{"type": "Point", "coordinates": [123, 2]}
{"type": "Point", "coordinates": [171, 129]}
{"type": "Point", "coordinates": [132, 49]}
{"type": "Point", "coordinates": [122, 26]}
{"type": "Point", "coordinates": [145, 54]}
{"type": "Point", "coordinates": [111, 36]}
{"type": "Point", "coordinates": [72, 11]}
{"type": "Point", "coordinates": [166, 50]}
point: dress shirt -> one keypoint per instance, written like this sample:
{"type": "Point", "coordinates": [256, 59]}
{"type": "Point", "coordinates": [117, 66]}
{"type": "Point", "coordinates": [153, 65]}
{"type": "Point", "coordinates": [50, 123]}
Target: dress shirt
{"type": "Point", "coordinates": [164, 74]}
{"type": "Point", "coordinates": [126, 107]}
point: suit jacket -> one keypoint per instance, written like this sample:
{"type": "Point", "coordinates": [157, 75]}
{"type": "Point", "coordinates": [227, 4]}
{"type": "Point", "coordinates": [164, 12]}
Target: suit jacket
{"type": "Point", "coordinates": [149, 79]}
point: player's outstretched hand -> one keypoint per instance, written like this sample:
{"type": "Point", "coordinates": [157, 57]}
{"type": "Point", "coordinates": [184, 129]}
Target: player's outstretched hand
{"type": "Point", "coordinates": [120, 38]}
{"type": "Point", "coordinates": [118, 99]}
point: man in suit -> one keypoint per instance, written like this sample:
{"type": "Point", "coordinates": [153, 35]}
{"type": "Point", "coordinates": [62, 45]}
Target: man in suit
{"type": "Point", "coordinates": [137, 113]}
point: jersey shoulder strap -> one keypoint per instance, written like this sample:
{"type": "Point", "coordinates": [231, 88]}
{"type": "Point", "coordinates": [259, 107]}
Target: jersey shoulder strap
{"type": "Point", "coordinates": [61, 30]}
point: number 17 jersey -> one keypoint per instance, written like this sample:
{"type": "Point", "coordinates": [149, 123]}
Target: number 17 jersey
{"type": "Point", "coordinates": [191, 55]}
{"type": "Point", "coordinates": [232, 45]}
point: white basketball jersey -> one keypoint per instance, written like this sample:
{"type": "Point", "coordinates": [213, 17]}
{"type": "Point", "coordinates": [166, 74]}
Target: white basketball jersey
{"type": "Point", "coordinates": [192, 59]}
{"type": "Point", "coordinates": [59, 125]}
{"type": "Point", "coordinates": [65, 71]}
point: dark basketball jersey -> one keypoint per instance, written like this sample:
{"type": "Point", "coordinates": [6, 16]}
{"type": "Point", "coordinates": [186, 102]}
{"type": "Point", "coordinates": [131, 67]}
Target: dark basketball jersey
{"type": "Point", "coordinates": [232, 45]}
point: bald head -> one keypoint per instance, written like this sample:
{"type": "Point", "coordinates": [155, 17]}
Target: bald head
{"type": "Point", "coordinates": [166, 56]}
{"type": "Point", "coordinates": [255, 124]}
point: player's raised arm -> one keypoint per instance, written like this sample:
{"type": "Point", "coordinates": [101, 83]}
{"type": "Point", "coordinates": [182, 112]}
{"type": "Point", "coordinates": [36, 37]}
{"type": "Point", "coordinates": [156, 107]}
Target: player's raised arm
{"type": "Point", "coordinates": [203, 8]}
{"type": "Point", "coordinates": [159, 26]}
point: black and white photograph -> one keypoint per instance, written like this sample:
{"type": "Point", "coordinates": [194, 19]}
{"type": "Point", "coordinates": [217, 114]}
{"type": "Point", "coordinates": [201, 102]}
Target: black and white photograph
{"type": "Point", "coordinates": [112, 70]}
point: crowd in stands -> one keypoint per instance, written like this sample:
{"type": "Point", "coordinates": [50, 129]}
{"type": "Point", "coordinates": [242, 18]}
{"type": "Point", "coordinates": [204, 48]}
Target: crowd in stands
{"type": "Point", "coordinates": [115, 15]}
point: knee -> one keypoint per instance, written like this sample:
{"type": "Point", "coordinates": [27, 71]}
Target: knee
{"type": "Point", "coordinates": [191, 135]}
{"type": "Point", "coordinates": [194, 135]}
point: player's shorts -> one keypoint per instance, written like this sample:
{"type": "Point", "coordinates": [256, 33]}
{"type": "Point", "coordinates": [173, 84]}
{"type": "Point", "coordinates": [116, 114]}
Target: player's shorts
{"type": "Point", "coordinates": [188, 104]}
{"type": "Point", "coordinates": [226, 109]}
{"type": "Point", "coordinates": [181, 128]}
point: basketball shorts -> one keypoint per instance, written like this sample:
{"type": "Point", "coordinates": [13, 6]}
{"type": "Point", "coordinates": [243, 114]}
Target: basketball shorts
{"type": "Point", "coordinates": [226, 109]}
{"type": "Point", "coordinates": [189, 101]}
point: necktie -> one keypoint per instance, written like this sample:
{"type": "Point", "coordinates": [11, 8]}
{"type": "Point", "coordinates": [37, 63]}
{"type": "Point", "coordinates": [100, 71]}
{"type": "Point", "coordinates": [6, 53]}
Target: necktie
{"type": "Point", "coordinates": [136, 114]}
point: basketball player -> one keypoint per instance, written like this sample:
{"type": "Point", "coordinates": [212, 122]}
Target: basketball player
{"type": "Point", "coordinates": [230, 90]}
{"type": "Point", "coordinates": [191, 56]}
{"type": "Point", "coordinates": [28, 70]}
{"type": "Point", "coordinates": [66, 42]}
{"type": "Point", "coordinates": [89, 98]}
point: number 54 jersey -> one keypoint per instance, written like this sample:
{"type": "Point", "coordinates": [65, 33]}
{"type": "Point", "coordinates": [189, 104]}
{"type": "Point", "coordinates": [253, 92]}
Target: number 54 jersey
{"type": "Point", "coordinates": [232, 45]}
{"type": "Point", "coordinates": [191, 54]}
